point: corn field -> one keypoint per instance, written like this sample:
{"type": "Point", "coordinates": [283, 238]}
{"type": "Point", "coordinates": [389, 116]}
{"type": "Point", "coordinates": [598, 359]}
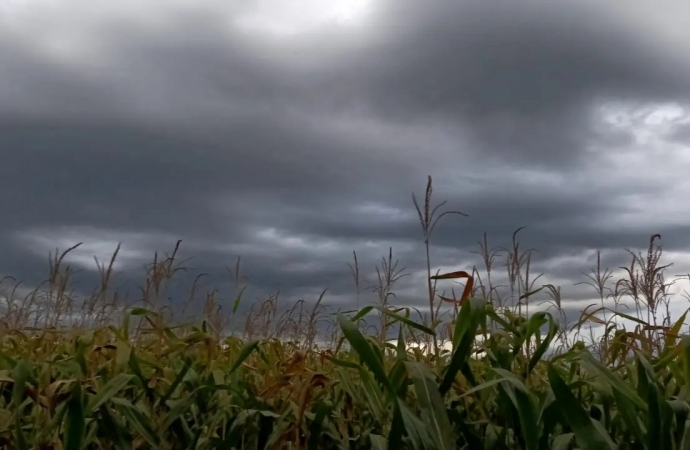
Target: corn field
{"type": "Point", "coordinates": [483, 373]}
{"type": "Point", "coordinates": [104, 389]}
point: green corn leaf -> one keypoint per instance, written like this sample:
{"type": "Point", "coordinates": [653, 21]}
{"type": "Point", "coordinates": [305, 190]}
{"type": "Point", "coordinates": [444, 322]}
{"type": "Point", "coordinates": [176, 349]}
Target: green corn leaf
{"type": "Point", "coordinates": [362, 312]}
{"type": "Point", "coordinates": [378, 442]}
{"type": "Point", "coordinates": [21, 375]}
{"type": "Point", "coordinates": [343, 363]}
{"type": "Point", "coordinates": [397, 430]}
{"type": "Point", "coordinates": [466, 326]}
{"type": "Point", "coordinates": [401, 349]}
{"type": "Point", "coordinates": [113, 428]}
{"type": "Point", "coordinates": [122, 355]}
{"type": "Point", "coordinates": [138, 422]}
{"type": "Point", "coordinates": [588, 436]}
{"type": "Point", "coordinates": [630, 415]}
{"type": "Point", "coordinates": [316, 425]}
{"type": "Point", "coordinates": [431, 404]}
{"type": "Point", "coordinates": [246, 351]}
{"type": "Point", "coordinates": [685, 358]}
{"type": "Point", "coordinates": [177, 412]}
{"type": "Point", "coordinates": [138, 311]}
{"type": "Point", "coordinates": [406, 321]}
{"type": "Point", "coordinates": [176, 382]}
{"type": "Point", "coordinates": [20, 438]}
{"type": "Point", "coordinates": [673, 333]}
{"type": "Point", "coordinates": [415, 428]}
{"type": "Point", "coordinates": [365, 351]}
{"type": "Point", "coordinates": [524, 403]}
{"type": "Point", "coordinates": [481, 387]}
{"type": "Point", "coordinates": [109, 390]}
{"type": "Point", "coordinates": [376, 400]}
{"type": "Point", "coordinates": [563, 441]}
{"type": "Point", "coordinates": [75, 418]}
{"type": "Point", "coordinates": [238, 299]}
{"type": "Point", "coordinates": [616, 383]}
{"type": "Point", "coordinates": [544, 345]}
{"type": "Point", "coordinates": [685, 442]}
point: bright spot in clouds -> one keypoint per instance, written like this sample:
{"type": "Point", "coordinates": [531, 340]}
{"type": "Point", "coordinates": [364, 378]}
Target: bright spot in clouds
{"type": "Point", "coordinates": [303, 16]}
{"type": "Point", "coordinates": [136, 247]}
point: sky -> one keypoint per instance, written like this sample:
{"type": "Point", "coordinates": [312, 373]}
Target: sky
{"type": "Point", "coordinates": [291, 134]}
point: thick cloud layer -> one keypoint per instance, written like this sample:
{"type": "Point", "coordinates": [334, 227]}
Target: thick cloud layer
{"type": "Point", "coordinates": [293, 136]}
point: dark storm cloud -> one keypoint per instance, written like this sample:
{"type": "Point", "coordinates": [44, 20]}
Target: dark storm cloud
{"type": "Point", "coordinates": [212, 135]}
{"type": "Point", "coordinates": [520, 77]}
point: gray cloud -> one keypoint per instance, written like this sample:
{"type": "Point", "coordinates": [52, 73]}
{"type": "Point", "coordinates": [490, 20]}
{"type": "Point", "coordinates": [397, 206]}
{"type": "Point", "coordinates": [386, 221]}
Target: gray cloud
{"type": "Point", "coordinates": [293, 151]}
{"type": "Point", "coordinates": [522, 78]}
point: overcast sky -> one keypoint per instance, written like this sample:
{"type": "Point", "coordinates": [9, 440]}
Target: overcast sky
{"type": "Point", "coordinates": [293, 133]}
